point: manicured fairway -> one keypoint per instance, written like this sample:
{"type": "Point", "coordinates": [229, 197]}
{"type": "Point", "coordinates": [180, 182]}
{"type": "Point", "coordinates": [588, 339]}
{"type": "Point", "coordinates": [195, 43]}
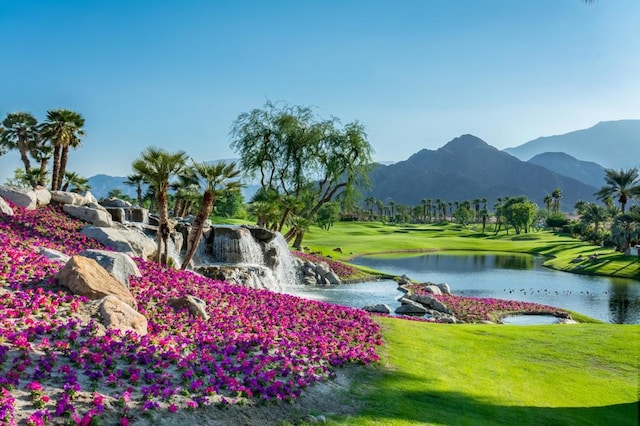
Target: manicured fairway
{"type": "Point", "coordinates": [583, 374]}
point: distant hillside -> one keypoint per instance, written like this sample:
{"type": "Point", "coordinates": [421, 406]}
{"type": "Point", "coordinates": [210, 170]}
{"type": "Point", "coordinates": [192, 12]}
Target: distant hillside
{"type": "Point", "coordinates": [613, 144]}
{"type": "Point", "coordinates": [102, 184]}
{"type": "Point", "coordinates": [468, 168]}
{"type": "Point", "coordinates": [564, 164]}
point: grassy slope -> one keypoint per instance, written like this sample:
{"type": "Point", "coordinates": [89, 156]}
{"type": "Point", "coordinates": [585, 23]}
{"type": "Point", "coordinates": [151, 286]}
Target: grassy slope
{"type": "Point", "coordinates": [358, 238]}
{"type": "Point", "coordinates": [479, 374]}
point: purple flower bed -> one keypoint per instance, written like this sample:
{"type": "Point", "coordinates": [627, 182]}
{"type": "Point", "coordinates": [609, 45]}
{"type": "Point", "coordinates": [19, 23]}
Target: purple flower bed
{"type": "Point", "coordinates": [256, 346]}
{"type": "Point", "coordinates": [474, 309]}
{"type": "Point", "coordinates": [343, 270]}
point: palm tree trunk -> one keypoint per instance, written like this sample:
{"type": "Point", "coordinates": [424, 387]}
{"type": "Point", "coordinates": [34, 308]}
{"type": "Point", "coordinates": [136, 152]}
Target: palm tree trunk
{"type": "Point", "coordinates": [197, 227]}
{"type": "Point", "coordinates": [43, 171]}
{"type": "Point", "coordinates": [163, 215]}
{"type": "Point", "coordinates": [22, 147]}
{"type": "Point", "coordinates": [64, 153]}
{"type": "Point", "coordinates": [56, 167]}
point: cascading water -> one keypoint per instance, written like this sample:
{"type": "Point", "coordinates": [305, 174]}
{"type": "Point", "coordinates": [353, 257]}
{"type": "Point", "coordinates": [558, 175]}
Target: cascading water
{"type": "Point", "coordinates": [250, 256]}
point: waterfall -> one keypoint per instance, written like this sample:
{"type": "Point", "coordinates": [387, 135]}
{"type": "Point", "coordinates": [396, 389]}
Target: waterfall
{"type": "Point", "coordinates": [250, 256]}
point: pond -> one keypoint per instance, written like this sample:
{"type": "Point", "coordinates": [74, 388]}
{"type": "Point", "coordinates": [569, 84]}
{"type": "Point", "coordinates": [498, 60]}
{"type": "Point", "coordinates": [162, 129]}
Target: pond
{"type": "Point", "coordinates": [503, 276]}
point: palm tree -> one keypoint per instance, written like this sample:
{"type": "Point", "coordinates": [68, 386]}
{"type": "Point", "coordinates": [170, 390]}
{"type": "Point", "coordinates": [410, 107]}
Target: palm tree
{"type": "Point", "coordinates": [380, 207]}
{"type": "Point", "coordinates": [370, 202]}
{"type": "Point", "coordinates": [556, 195]}
{"type": "Point", "coordinates": [21, 133]}
{"type": "Point", "coordinates": [623, 184]}
{"type": "Point", "coordinates": [63, 128]}
{"type": "Point", "coordinates": [76, 182]}
{"type": "Point", "coordinates": [548, 201]}
{"type": "Point", "coordinates": [157, 167]}
{"type": "Point", "coordinates": [136, 181]}
{"type": "Point", "coordinates": [216, 179]}
{"type": "Point", "coordinates": [593, 213]}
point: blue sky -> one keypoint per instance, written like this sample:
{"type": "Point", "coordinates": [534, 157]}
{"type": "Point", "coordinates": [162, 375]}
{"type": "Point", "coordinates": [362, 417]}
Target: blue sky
{"type": "Point", "coordinates": [416, 73]}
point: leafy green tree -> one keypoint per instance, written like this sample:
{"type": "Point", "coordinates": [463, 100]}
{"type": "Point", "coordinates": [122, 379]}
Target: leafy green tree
{"type": "Point", "coordinates": [596, 215]}
{"type": "Point", "coordinates": [463, 215]}
{"type": "Point", "coordinates": [623, 184]}
{"type": "Point", "coordinates": [520, 212]}
{"type": "Point", "coordinates": [230, 203]}
{"type": "Point", "coordinates": [296, 154]}
{"type": "Point", "coordinates": [117, 193]}
{"type": "Point", "coordinates": [63, 128]}
{"type": "Point", "coordinates": [20, 132]}
{"type": "Point", "coordinates": [215, 179]}
{"type": "Point", "coordinates": [625, 229]}
{"type": "Point", "coordinates": [327, 215]}
{"type": "Point", "coordinates": [157, 166]}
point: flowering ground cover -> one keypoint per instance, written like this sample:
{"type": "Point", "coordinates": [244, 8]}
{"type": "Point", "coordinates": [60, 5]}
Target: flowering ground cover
{"type": "Point", "coordinates": [474, 309]}
{"type": "Point", "coordinates": [56, 366]}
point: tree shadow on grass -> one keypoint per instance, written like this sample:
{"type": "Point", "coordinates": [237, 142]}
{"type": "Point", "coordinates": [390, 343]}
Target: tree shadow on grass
{"type": "Point", "coordinates": [401, 406]}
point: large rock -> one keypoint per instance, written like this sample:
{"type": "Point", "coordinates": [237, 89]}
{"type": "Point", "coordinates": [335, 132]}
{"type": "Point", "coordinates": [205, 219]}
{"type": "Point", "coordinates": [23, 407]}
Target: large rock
{"type": "Point", "coordinates": [115, 313]}
{"type": "Point", "coordinates": [444, 288]}
{"type": "Point", "coordinates": [380, 308]}
{"type": "Point", "coordinates": [54, 255]}
{"type": "Point", "coordinates": [429, 302]}
{"type": "Point", "coordinates": [117, 214]}
{"type": "Point", "coordinates": [63, 197]}
{"type": "Point", "coordinates": [120, 265]}
{"type": "Point", "coordinates": [85, 277]}
{"type": "Point", "coordinates": [43, 196]}
{"type": "Point", "coordinates": [409, 307]}
{"type": "Point", "coordinates": [127, 240]}
{"type": "Point", "coordinates": [20, 196]}
{"type": "Point", "coordinates": [88, 214]}
{"type": "Point", "coordinates": [261, 234]}
{"type": "Point", "coordinates": [115, 203]}
{"type": "Point", "coordinates": [196, 307]}
{"type": "Point", "coordinates": [5, 208]}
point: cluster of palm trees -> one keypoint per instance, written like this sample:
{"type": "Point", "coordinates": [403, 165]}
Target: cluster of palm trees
{"type": "Point", "coordinates": [60, 131]}
{"type": "Point", "coordinates": [618, 226]}
{"type": "Point", "coordinates": [428, 211]}
{"type": "Point", "coordinates": [158, 168]}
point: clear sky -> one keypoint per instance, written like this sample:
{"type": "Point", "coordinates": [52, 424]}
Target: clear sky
{"type": "Point", "coordinates": [417, 73]}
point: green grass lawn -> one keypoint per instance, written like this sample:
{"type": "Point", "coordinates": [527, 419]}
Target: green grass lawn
{"type": "Point", "coordinates": [583, 374]}
{"type": "Point", "coordinates": [359, 238]}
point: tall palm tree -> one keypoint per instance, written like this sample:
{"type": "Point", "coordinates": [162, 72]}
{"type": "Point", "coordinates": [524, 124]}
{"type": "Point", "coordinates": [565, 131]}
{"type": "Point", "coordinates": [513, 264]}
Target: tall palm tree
{"type": "Point", "coordinates": [157, 166]}
{"type": "Point", "coordinates": [216, 178]}
{"type": "Point", "coordinates": [548, 201]}
{"type": "Point", "coordinates": [21, 133]}
{"type": "Point", "coordinates": [556, 195]}
{"type": "Point", "coordinates": [623, 184]}
{"type": "Point", "coordinates": [136, 181]}
{"type": "Point", "coordinates": [63, 128]}
{"type": "Point", "coordinates": [593, 213]}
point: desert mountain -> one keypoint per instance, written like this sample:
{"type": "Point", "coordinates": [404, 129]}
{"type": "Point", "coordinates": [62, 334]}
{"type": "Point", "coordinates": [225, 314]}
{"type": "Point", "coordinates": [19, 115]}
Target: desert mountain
{"type": "Point", "coordinates": [467, 168]}
{"type": "Point", "coordinates": [613, 144]}
{"type": "Point", "coordinates": [563, 164]}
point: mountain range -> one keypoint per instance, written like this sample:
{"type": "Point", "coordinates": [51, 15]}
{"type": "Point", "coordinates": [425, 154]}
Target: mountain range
{"type": "Point", "coordinates": [612, 144]}
{"type": "Point", "coordinates": [467, 168]}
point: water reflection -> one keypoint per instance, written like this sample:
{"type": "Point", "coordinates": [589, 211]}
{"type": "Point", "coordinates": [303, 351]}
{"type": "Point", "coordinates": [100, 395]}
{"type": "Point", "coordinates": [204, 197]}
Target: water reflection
{"type": "Point", "coordinates": [519, 277]}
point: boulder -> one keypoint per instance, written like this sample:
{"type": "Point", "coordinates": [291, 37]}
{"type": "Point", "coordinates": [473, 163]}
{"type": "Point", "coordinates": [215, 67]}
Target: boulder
{"type": "Point", "coordinates": [196, 307]}
{"type": "Point", "coordinates": [88, 214]}
{"type": "Point", "coordinates": [117, 214]}
{"type": "Point", "coordinates": [444, 288]}
{"type": "Point", "coordinates": [380, 308]}
{"type": "Point", "coordinates": [260, 234]}
{"type": "Point", "coordinates": [85, 277]}
{"type": "Point", "coordinates": [89, 198]}
{"type": "Point", "coordinates": [114, 313]}
{"type": "Point", "coordinates": [429, 302]}
{"type": "Point", "coordinates": [404, 279]}
{"type": "Point", "coordinates": [409, 307]}
{"type": "Point", "coordinates": [5, 208]}
{"type": "Point", "coordinates": [433, 289]}
{"type": "Point", "coordinates": [115, 203]}
{"type": "Point", "coordinates": [138, 214]}
{"type": "Point", "coordinates": [63, 197]}
{"type": "Point", "coordinates": [54, 255]}
{"type": "Point", "coordinates": [120, 265]}
{"type": "Point", "coordinates": [43, 196]}
{"type": "Point", "coordinates": [22, 197]}
{"type": "Point", "coordinates": [127, 240]}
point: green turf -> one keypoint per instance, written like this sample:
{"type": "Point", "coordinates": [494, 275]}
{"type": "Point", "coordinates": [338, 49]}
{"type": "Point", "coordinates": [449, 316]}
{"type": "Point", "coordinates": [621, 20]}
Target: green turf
{"type": "Point", "coordinates": [359, 238]}
{"type": "Point", "coordinates": [583, 374]}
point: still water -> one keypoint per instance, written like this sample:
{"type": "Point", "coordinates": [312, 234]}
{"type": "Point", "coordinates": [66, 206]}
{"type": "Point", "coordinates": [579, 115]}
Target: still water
{"type": "Point", "coordinates": [504, 276]}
